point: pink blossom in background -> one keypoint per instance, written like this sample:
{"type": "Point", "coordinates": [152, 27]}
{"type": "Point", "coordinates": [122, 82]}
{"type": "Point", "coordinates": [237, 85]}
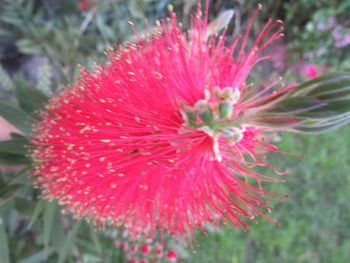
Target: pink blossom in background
{"type": "Point", "coordinates": [312, 71]}
{"type": "Point", "coordinates": [171, 255]}
{"type": "Point", "coordinates": [143, 141]}
{"type": "Point", "coordinates": [85, 5]}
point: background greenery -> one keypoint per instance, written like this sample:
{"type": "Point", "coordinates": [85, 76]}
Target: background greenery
{"type": "Point", "coordinates": [41, 44]}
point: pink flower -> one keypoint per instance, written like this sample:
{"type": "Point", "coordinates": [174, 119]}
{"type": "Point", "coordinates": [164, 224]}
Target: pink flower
{"type": "Point", "coordinates": [85, 5]}
{"type": "Point", "coordinates": [116, 243]}
{"type": "Point", "coordinates": [312, 71]}
{"type": "Point", "coordinates": [159, 253]}
{"type": "Point", "coordinates": [145, 249]}
{"type": "Point", "coordinates": [124, 246]}
{"type": "Point", "coordinates": [133, 249]}
{"type": "Point", "coordinates": [171, 255]}
{"type": "Point", "coordinates": [152, 139]}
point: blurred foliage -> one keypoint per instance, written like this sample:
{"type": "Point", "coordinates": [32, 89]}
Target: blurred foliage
{"type": "Point", "coordinates": [315, 220]}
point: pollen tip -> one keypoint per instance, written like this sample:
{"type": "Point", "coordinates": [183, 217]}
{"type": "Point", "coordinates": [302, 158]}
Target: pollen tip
{"type": "Point", "coordinates": [170, 8]}
{"type": "Point", "coordinates": [259, 6]}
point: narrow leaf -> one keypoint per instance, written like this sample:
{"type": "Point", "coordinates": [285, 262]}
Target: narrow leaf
{"type": "Point", "coordinates": [14, 146]}
{"type": "Point", "coordinates": [276, 122]}
{"type": "Point", "coordinates": [38, 210]}
{"type": "Point", "coordinates": [13, 159]}
{"type": "Point", "coordinates": [4, 249]}
{"type": "Point", "coordinates": [68, 242]}
{"type": "Point", "coordinates": [39, 257]}
{"type": "Point", "coordinates": [49, 217]}
{"type": "Point", "coordinates": [18, 118]}
{"type": "Point", "coordinates": [332, 109]}
{"type": "Point", "coordinates": [331, 86]}
{"type": "Point", "coordinates": [9, 189]}
{"type": "Point", "coordinates": [30, 99]}
{"type": "Point", "coordinates": [296, 105]}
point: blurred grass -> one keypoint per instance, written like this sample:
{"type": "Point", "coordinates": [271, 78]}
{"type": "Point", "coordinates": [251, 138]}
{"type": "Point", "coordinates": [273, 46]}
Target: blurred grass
{"type": "Point", "coordinates": [315, 220]}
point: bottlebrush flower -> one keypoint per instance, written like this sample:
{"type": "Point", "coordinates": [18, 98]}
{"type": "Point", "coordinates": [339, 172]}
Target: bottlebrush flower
{"type": "Point", "coordinates": [163, 135]}
{"type": "Point", "coordinates": [146, 141]}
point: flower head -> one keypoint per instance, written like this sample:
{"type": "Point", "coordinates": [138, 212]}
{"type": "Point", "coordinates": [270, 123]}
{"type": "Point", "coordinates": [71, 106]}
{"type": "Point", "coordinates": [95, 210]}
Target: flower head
{"type": "Point", "coordinates": [172, 255]}
{"type": "Point", "coordinates": [155, 138]}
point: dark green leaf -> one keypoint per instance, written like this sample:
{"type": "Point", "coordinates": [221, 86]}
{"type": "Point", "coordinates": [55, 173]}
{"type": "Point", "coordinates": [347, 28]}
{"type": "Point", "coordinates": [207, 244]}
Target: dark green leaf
{"type": "Point", "coordinates": [331, 110]}
{"type": "Point", "coordinates": [18, 118]}
{"type": "Point", "coordinates": [331, 86]}
{"type": "Point", "coordinates": [296, 105]}
{"type": "Point", "coordinates": [308, 86]}
{"type": "Point", "coordinates": [24, 206]}
{"type": "Point", "coordinates": [10, 189]}
{"type": "Point", "coordinates": [13, 159]}
{"type": "Point", "coordinates": [29, 98]}
{"type": "Point", "coordinates": [14, 146]}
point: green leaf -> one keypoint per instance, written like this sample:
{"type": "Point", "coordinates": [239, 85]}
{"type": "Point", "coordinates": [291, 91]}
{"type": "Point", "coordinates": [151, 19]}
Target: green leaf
{"type": "Point", "coordinates": [296, 105]}
{"type": "Point", "coordinates": [9, 189]}
{"type": "Point", "coordinates": [18, 118]}
{"type": "Point", "coordinates": [14, 146]}
{"type": "Point", "coordinates": [325, 83]}
{"type": "Point", "coordinates": [63, 253]}
{"type": "Point", "coordinates": [28, 46]}
{"type": "Point", "coordinates": [4, 248]}
{"type": "Point", "coordinates": [24, 207]}
{"type": "Point", "coordinates": [49, 218]}
{"type": "Point", "coordinates": [30, 99]}
{"type": "Point", "coordinates": [11, 20]}
{"type": "Point", "coordinates": [39, 257]}
{"type": "Point", "coordinates": [58, 232]}
{"type": "Point", "coordinates": [331, 86]}
{"type": "Point", "coordinates": [320, 129]}
{"type": "Point", "coordinates": [276, 122]}
{"type": "Point", "coordinates": [331, 110]}
{"type": "Point", "coordinates": [95, 239]}
{"type": "Point", "coordinates": [38, 210]}
{"type": "Point", "coordinates": [13, 159]}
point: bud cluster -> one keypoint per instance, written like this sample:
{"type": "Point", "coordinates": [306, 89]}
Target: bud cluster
{"type": "Point", "coordinates": [214, 116]}
{"type": "Point", "coordinates": [141, 249]}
